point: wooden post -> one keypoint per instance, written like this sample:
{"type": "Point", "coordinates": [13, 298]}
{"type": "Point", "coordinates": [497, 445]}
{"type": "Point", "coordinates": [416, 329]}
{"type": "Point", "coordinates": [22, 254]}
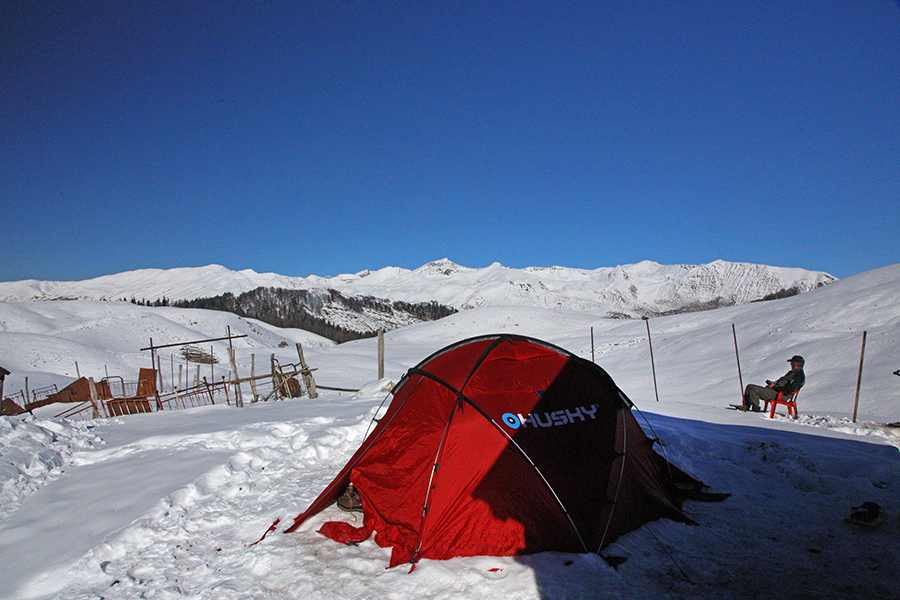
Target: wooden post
{"type": "Point", "coordinates": [238, 397]}
{"type": "Point", "coordinates": [380, 354]}
{"type": "Point", "coordinates": [307, 375]}
{"type": "Point", "coordinates": [225, 387]}
{"type": "Point", "coordinates": [77, 370]}
{"type": "Point", "coordinates": [209, 391]}
{"type": "Point", "coordinates": [159, 377]}
{"type": "Point", "coordinates": [25, 398]}
{"type": "Point", "coordinates": [178, 388]}
{"type": "Point", "coordinates": [93, 387]}
{"type": "Point", "coordinates": [862, 356]}
{"type": "Point", "coordinates": [276, 385]}
{"type": "Point", "coordinates": [592, 345]}
{"type": "Point", "coordinates": [253, 378]}
{"type": "Point", "coordinates": [738, 357]}
{"type": "Point", "coordinates": [652, 363]}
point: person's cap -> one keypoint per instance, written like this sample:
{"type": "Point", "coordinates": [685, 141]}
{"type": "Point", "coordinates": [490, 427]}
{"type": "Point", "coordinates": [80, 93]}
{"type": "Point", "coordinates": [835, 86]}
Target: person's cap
{"type": "Point", "coordinates": [797, 359]}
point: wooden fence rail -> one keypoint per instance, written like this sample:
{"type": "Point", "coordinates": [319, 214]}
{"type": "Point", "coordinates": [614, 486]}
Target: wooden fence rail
{"type": "Point", "coordinates": [119, 397]}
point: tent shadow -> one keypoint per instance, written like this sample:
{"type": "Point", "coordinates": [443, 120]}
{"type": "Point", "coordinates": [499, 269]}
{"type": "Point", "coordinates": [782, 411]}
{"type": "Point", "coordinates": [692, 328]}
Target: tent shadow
{"type": "Point", "coordinates": [792, 493]}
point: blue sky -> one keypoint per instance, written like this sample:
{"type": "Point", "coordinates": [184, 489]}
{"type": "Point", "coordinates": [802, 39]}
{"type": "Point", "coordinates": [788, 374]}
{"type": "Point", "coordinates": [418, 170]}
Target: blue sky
{"type": "Point", "coordinates": [330, 137]}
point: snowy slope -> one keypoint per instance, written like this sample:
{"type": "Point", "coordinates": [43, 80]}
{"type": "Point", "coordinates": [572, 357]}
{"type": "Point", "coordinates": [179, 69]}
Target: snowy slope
{"type": "Point", "coordinates": [44, 340]}
{"type": "Point", "coordinates": [165, 505]}
{"type": "Point", "coordinates": [645, 288]}
{"type": "Point", "coordinates": [825, 325]}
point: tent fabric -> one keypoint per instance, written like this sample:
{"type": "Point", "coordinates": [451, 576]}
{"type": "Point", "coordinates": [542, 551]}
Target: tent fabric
{"type": "Point", "coordinates": [503, 445]}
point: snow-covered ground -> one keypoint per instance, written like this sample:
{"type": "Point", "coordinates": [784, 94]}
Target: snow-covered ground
{"type": "Point", "coordinates": [166, 505]}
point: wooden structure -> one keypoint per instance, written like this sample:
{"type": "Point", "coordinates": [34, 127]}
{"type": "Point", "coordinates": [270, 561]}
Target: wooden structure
{"type": "Point", "coordinates": [113, 396]}
{"type": "Point", "coordinates": [117, 407]}
{"type": "Point", "coordinates": [75, 393]}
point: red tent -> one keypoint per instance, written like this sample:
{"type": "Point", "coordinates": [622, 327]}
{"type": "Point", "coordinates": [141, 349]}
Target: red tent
{"type": "Point", "coordinates": [503, 445]}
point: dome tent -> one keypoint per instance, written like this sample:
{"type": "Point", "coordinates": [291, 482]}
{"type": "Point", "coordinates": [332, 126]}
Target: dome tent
{"type": "Point", "coordinates": [503, 445]}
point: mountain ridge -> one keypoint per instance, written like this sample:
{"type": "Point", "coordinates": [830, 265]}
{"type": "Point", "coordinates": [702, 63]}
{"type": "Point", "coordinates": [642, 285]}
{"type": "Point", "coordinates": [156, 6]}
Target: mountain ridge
{"type": "Point", "coordinates": [738, 282]}
{"type": "Point", "coordinates": [644, 289]}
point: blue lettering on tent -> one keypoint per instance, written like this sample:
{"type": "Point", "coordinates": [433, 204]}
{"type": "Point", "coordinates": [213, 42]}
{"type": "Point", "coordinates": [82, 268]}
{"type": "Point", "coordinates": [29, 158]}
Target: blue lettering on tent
{"type": "Point", "coordinates": [528, 420]}
{"type": "Point", "coordinates": [551, 419]}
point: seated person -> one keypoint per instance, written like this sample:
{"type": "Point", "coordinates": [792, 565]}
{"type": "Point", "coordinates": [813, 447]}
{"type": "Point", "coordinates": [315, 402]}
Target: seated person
{"type": "Point", "coordinates": [792, 381]}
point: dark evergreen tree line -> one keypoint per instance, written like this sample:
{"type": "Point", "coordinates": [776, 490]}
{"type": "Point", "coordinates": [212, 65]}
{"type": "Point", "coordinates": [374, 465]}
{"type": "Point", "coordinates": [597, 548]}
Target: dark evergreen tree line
{"type": "Point", "coordinates": [144, 302]}
{"type": "Point", "coordinates": [782, 293]}
{"type": "Point", "coordinates": [303, 309]}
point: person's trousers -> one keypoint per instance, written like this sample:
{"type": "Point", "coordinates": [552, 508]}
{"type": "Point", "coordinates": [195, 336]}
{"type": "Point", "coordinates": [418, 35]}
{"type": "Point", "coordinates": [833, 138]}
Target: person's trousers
{"type": "Point", "coordinates": [754, 393]}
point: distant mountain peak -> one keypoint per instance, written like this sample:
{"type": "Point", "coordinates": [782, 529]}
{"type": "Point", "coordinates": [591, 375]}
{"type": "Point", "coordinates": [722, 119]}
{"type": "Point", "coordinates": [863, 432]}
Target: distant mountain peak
{"type": "Point", "coordinates": [444, 266]}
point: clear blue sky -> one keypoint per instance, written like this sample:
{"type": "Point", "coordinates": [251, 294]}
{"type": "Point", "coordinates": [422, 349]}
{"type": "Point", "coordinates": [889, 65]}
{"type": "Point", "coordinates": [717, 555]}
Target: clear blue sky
{"type": "Point", "coordinates": [327, 137]}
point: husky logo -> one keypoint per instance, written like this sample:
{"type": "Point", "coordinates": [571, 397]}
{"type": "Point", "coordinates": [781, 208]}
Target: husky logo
{"type": "Point", "coordinates": [551, 419]}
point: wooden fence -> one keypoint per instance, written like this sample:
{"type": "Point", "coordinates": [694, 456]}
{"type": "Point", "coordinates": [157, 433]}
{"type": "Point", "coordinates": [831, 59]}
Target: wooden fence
{"type": "Point", "coordinates": [119, 397]}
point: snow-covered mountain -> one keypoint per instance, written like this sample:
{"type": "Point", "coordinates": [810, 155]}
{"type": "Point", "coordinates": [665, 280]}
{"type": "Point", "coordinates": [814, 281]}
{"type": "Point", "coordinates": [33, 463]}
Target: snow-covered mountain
{"type": "Point", "coordinates": [175, 284]}
{"type": "Point", "coordinates": [642, 289]}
